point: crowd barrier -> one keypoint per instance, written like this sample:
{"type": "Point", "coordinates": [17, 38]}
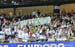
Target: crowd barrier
{"type": "Point", "coordinates": [41, 44]}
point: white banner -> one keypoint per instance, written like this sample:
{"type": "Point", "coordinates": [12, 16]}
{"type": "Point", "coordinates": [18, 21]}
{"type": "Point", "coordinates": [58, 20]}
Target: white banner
{"type": "Point", "coordinates": [36, 21]}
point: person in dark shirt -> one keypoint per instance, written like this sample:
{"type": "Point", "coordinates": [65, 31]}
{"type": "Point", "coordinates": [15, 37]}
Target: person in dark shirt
{"type": "Point", "coordinates": [0, 24]}
{"type": "Point", "coordinates": [38, 12]}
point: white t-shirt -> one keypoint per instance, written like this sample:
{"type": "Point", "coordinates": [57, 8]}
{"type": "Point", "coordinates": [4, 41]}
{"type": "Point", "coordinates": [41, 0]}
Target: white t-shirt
{"type": "Point", "coordinates": [55, 25]}
{"type": "Point", "coordinates": [51, 39]}
{"type": "Point", "coordinates": [8, 31]}
{"type": "Point", "coordinates": [20, 32]}
{"type": "Point", "coordinates": [59, 33]}
{"type": "Point", "coordinates": [25, 37]}
{"type": "Point", "coordinates": [37, 34]}
{"type": "Point", "coordinates": [34, 13]}
{"type": "Point", "coordinates": [13, 32]}
{"type": "Point", "coordinates": [15, 28]}
{"type": "Point", "coordinates": [61, 39]}
{"type": "Point", "coordinates": [51, 31]}
{"type": "Point", "coordinates": [40, 31]}
{"type": "Point", "coordinates": [42, 37]}
{"type": "Point", "coordinates": [2, 35]}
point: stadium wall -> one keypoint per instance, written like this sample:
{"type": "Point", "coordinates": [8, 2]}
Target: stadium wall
{"type": "Point", "coordinates": [43, 9]}
{"type": "Point", "coordinates": [29, 10]}
{"type": "Point", "coordinates": [67, 7]}
{"type": "Point", "coordinates": [8, 11]}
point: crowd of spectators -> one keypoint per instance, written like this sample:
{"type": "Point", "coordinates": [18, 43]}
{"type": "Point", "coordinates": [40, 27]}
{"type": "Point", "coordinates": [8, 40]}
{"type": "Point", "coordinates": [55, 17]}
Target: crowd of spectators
{"type": "Point", "coordinates": [61, 28]}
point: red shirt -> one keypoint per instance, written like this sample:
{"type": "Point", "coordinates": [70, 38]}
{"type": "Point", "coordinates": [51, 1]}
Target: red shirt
{"type": "Point", "coordinates": [30, 33]}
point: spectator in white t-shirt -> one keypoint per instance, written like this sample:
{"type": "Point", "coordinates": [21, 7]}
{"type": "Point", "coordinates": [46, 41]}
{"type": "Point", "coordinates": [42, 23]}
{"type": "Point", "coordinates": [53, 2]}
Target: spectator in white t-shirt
{"type": "Point", "coordinates": [13, 32]}
{"type": "Point", "coordinates": [7, 31]}
{"type": "Point", "coordinates": [2, 35]}
{"type": "Point", "coordinates": [19, 32]}
{"type": "Point", "coordinates": [37, 33]}
{"type": "Point", "coordinates": [34, 14]}
{"type": "Point", "coordinates": [58, 34]}
{"type": "Point", "coordinates": [52, 31]}
{"type": "Point", "coordinates": [25, 35]}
